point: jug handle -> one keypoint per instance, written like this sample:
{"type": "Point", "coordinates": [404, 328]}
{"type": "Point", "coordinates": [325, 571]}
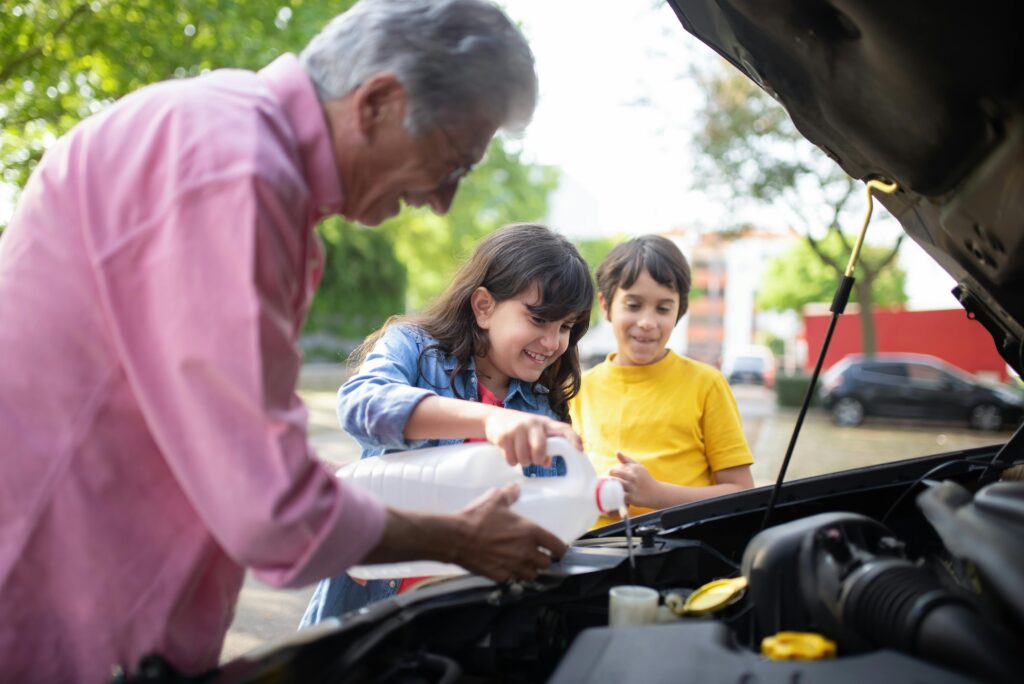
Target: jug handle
{"type": "Point", "coordinates": [577, 463]}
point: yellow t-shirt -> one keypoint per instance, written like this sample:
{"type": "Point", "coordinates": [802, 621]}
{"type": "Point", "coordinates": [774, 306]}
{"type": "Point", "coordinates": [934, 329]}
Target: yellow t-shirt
{"type": "Point", "coordinates": [677, 417]}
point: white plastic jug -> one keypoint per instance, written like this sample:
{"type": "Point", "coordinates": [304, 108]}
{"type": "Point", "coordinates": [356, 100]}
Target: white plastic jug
{"type": "Point", "coordinates": [447, 478]}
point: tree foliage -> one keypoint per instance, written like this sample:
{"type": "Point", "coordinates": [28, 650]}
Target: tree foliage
{"type": "Point", "coordinates": [749, 151]}
{"type": "Point", "coordinates": [502, 189]}
{"type": "Point", "coordinates": [374, 273]}
{"type": "Point", "coordinates": [593, 251]}
{"type": "Point", "coordinates": [363, 282]}
{"type": "Point", "coordinates": [799, 277]}
{"type": "Point", "coordinates": [61, 60]}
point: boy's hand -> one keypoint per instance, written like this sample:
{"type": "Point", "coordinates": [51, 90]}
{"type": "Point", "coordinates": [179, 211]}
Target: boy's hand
{"type": "Point", "coordinates": [522, 437]}
{"type": "Point", "coordinates": [640, 486]}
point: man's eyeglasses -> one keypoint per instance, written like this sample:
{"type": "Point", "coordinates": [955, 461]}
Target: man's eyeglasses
{"type": "Point", "coordinates": [460, 171]}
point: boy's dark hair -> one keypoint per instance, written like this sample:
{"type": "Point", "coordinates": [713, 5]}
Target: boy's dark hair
{"type": "Point", "coordinates": [508, 262]}
{"type": "Point", "coordinates": [652, 253]}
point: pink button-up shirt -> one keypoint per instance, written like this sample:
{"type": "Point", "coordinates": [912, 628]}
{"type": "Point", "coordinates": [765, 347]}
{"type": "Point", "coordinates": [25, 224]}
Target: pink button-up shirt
{"type": "Point", "coordinates": [152, 285]}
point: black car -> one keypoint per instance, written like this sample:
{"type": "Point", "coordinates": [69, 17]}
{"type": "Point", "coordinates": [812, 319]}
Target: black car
{"type": "Point", "coordinates": [913, 569]}
{"type": "Point", "coordinates": [914, 386]}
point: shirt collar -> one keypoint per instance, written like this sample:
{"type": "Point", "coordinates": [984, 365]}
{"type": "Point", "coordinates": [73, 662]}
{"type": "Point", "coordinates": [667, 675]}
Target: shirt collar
{"type": "Point", "coordinates": [294, 91]}
{"type": "Point", "coordinates": [524, 390]}
{"type": "Point", "coordinates": [528, 391]}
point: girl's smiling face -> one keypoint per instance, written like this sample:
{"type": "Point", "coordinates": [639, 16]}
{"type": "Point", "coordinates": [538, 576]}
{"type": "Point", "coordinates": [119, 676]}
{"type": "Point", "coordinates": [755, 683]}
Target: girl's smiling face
{"type": "Point", "coordinates": [520, 343]}
{"type": "Point", "coordinates": [642, 317]}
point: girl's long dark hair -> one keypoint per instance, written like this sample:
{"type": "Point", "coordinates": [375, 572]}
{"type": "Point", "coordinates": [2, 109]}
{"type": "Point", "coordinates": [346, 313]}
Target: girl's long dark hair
{"type": "Point", "coordinates": [508, 262]}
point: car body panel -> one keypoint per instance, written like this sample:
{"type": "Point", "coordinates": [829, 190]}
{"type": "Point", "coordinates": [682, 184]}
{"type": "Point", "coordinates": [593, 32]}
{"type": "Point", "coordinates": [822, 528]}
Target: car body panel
{"type": "Point", "coordinates": [923, 92]}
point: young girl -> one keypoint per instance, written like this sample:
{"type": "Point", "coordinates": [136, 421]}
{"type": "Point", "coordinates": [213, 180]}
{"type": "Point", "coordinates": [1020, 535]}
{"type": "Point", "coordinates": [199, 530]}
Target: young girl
{"type": "Point", "coordinates": [494, 358]}
{"type": "Point", "coordinates": [665, 425]}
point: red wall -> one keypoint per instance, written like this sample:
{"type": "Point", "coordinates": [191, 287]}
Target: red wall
{"type": "Point", "coordinates": [947, 334]}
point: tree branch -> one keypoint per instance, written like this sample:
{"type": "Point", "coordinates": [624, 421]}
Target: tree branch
{"type": "Point", "coordinates": [28, 55]}
{"type": "Point", "coordinates": [825, 258]}
{"type": "Point", "coordinates": [876, 268]}
{"type": "Point", "coordinates": [792, 204]}
{"type": "Point", "coordinates": [837, 209]}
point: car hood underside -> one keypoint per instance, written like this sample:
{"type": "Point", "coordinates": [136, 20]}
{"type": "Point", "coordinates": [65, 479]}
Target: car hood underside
{"type": "Point", "coordinates": [926, 93]}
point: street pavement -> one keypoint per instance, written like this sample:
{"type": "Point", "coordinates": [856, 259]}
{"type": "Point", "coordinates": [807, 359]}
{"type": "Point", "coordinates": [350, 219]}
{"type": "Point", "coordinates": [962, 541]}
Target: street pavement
{"type": "Point", "coordinates": [265, 614]}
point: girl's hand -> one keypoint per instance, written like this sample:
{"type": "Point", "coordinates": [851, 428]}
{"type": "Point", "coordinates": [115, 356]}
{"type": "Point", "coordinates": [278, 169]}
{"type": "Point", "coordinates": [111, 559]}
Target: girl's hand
{"type": "Point", "coordinates": [640, 486]}
{"type": "Point", "coordinates": [522, 436]}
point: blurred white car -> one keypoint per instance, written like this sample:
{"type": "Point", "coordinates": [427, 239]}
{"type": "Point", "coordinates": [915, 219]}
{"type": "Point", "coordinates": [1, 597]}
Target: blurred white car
{"type": "Point", "coordinates": [750, 364]}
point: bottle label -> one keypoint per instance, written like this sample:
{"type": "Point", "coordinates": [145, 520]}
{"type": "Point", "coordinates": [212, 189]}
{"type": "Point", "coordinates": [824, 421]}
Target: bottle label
{"type": "Point", "coordinates": [556, 469]}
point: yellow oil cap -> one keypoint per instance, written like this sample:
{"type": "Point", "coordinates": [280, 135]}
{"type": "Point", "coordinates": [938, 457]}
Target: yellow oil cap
{"type": "Point", "coordinates": [715, 596]}
{"type": "Point", "coordinates": [798, 646]}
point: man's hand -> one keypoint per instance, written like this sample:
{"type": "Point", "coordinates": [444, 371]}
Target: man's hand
{"type": "Point", "coordinates": [640, 486]}
{"type": "Point", "coordinates": [485, 537]}
{"type": "Point", "coordinates": [502, 545]}
{"type": "Point", "coordinates": [522, 437]}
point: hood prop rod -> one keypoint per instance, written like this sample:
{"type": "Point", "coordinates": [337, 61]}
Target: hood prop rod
{"type": "Point", "coordinates": [839, 302]}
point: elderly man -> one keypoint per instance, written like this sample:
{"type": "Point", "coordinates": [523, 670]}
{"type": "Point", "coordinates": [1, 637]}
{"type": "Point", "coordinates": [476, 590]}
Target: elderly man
{"type": "Point", "coordinates": [153, 283]}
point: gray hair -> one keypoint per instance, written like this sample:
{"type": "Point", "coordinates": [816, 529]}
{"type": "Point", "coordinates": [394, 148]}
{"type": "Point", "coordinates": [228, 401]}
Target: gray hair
{"type": "Point", "coordinates": [458, 59]}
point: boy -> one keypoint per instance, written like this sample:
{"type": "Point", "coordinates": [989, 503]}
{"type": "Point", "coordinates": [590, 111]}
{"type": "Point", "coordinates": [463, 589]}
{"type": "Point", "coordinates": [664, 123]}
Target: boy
{"type": "Point", "coordinates": [668, 427]}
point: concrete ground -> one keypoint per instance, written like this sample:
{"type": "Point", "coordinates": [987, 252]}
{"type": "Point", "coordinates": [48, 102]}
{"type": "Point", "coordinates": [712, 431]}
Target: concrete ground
{"type": "Point", "coordinates": [264, 614]}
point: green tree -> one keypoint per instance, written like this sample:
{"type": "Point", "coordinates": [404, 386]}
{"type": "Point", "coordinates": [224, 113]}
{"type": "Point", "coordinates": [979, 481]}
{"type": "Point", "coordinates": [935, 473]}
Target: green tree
{"type": "Point", "coordinates": [593, 251]}
{"type": "Point", "coordinates": [363, 282]}
{"type": "Point", "coordinates": [374, 273]}
{"type": "Point", "coordinates": [750, 151]}
{"type": "Point", "coordinates": [62, 60]}
{"type": "Point", "coordinates": [502, 189]}
{"type": "Point", "coordinates": [800, 277]}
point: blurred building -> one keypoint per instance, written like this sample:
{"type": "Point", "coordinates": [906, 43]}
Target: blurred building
{"type": "Point", "coordinates": [707, 322]}
{"type": "Point", "coordinates": [727, 271]}
{"type": "Point", "coordinates": [944, 333]}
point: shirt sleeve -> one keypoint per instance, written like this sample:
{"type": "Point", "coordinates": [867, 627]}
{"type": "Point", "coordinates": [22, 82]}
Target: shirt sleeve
{"type": "Point", "coordinates": [576, 417]}
{"type": "Point", "coordinates": [726, 446]}
{"type": "Point", "coordinates": [374, 405]}
{"type": "Point", "coordinates": [205, 303]}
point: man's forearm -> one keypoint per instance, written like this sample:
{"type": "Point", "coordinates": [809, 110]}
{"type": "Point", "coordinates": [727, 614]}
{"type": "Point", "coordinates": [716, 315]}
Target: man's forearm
{"type": "Point", "coordinates": [412, 536]}
{"type": "Point", "coordinates": [486, 538]}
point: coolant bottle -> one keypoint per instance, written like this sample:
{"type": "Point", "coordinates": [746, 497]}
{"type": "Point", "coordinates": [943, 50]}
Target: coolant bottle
{"type": "Point", "coordinates": [446, 479]}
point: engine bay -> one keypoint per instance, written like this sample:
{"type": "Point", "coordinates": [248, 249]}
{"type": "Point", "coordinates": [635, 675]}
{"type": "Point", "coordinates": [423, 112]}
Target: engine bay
{"type": "Point", "coordinates": [911, 569]}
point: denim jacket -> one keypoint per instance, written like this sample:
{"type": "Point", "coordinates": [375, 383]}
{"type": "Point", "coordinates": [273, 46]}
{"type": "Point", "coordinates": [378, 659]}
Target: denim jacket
{"type": "Point", "coordinates": [374, 406]}
{"type": "Point", "coordinates": [404, 368]}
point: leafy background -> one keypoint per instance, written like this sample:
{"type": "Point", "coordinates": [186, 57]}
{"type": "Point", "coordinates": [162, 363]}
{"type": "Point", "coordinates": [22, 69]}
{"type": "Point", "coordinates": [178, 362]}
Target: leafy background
{"type": "Point", "coordinates": [62, 60]}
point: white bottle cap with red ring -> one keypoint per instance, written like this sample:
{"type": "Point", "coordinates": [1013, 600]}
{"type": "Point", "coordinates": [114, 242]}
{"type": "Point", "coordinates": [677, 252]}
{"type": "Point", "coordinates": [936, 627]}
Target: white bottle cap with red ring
{"type": "Point", "coordinates": [610, 495]}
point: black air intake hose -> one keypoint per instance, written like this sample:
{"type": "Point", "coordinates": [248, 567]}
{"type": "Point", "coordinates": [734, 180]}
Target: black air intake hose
{"type": "Point", "coordinates": [893, 604]}
{"type": "Point", "coordinates": [845, 576]}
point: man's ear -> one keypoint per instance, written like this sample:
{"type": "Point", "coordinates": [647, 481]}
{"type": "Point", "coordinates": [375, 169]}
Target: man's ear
{"type": "Point", "coordinates": [604, 304]}
{"type": "Point", "coordinates": [483, 305]}
{"type": "Point", "coordinates": [380, 101]}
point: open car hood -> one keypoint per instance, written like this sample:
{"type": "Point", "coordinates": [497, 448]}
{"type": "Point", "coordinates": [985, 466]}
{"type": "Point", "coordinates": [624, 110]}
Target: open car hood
{"type": "Point", "coordinates": [927, 93]}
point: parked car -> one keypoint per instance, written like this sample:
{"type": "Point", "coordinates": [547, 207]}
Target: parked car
{"type": "Point", "coordinates": [915, 386]}
{"type": "Point", "coordinates": [751, 365]}
{"type": "Point", "coordinates": [909, 571]}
